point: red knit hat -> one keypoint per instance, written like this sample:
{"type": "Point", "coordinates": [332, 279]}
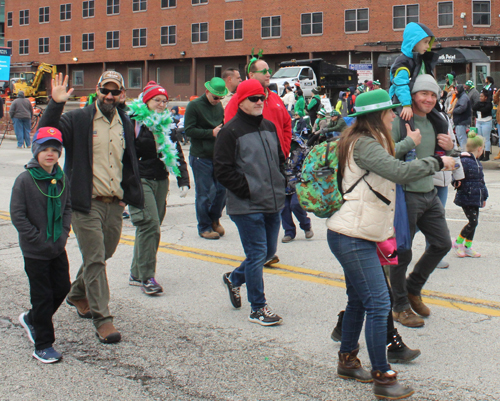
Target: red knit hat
{"type": "Point", "coordinates": [250, 87]}
{"type": "Point", "coordinates": [151, 90]}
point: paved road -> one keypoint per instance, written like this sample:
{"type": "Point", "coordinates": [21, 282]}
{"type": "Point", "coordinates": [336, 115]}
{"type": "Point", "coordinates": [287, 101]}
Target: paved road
{"type": "Point", "coordinates": [190, 344]}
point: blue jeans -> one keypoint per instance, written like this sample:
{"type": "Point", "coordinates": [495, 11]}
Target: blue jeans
{"type": "Point", "coordinates": [484, 129]}
{"type": "Point", "coordinates": [259, 237]}
{"type": "Point", "coordinates": [367, 292]}
{"type": "Point", "coordinates": [292, 205]}
{"type": "Point", "coordinates": [210, 195]}
{"type": "Point", "coordinates": [22, 129]}
{"type": "Point", "coordinates": [460, 130]}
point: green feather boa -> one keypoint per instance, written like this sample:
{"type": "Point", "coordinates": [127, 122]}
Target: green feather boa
{"type": "Point", "coordinates": [159, 125]}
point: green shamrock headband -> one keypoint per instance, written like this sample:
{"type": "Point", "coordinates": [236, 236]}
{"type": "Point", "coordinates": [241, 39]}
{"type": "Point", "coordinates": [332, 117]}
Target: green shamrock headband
{"type": "Point", "coordinates": [254, 59]}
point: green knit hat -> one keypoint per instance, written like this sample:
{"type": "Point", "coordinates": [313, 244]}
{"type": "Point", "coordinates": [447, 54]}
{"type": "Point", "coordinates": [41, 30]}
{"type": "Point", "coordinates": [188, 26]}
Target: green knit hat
{"type": "Point", "coordinates": [470, 83]}
{"type": "Point", "coordinates": [216, 86]}
{"type": "Point", "coordinates": [335, 113]}
{"type": "Point", "coordinates": [322, 112]}
{"type": "Point", "coordinates": [370, 102]}
{"type": "Point", "coordinates": [376, 83]}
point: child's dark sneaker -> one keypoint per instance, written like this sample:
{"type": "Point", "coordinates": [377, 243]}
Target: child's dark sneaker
{"type": "Point", "coordinates": [151, 286]}
{"type": "Point", "coordinates": [134, 281]}
{"type": "Point", "coordinates": [28, 327]}
{"type": "Point", "coordinates": [265, 317]}
{"type": "Point", "coordinates": [47, 355]}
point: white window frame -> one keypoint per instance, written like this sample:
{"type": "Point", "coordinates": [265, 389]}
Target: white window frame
{"type": "Point", "coordinates": [472, 12]}
{"type": "Point", "coordinates": [233, 30]}
{"type": "Point", "coordinates": [43, 45]}
{"type": "Point", "coordinates": [139, 31]}
{"type": "Point", "coordinates": [45, 16]}
{"type": "Point", "coordinates": [139, 2]}
{"type": "Point", "coordinates": [65, 5]}
{"type": "Point", "coordinates": [113, 5]}
{"type": "Point", "coordinates": [24, 17]}
{"type": "Point", "coordinates": [168, 35]}
{"type": "Point", "coordinates": [73, 76]}
{"type": "Point", "coordinates": [406, 15]}
{"type": "Point", "coordinates": [112, 40]}
{"type": "Point", "coordinates": [88, 41]}
{"type": "Point", "coordinates": [199, 32]}
{"type": "Point", "coordinates": [24, 40]}
{"type": "Point", "coordinates": [88, 9]}
{"type": "Point", "coordinates": [452, 14]}
{"type": "Point", "coordinates": [65, 43]}
{"type": "Point", "coordinates": [129, 84]}
{"type": "Point", "coordinates": [270, 27]}
{"type": "Point", "coordinates": [199, 2]}
{"type": "Point", "coordinates": [11, 19]}
{"type": "Point", "coordinates": [168, 7]}
{"type": "Point", "coordinates": [356, 20]}
{"type": "Point", "coordinates": [311, 24]}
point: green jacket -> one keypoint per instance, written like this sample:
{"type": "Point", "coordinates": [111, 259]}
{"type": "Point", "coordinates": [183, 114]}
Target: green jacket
{"type": "Point", "coordinates": [200, 118]}
{"type": "Point", "coordinates": [299, 106]}
{"type": "Point", "coordinates": [337, 126]}
{"type": "Point", "coordinates": [425, 149]}
{"type": "Point", "coordinates": [314, 101]}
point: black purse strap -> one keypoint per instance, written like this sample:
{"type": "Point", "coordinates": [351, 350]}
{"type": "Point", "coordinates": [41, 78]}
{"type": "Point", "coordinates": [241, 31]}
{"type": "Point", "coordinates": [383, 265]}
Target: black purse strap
{"type": "Point", "coordinates": [377, 194]}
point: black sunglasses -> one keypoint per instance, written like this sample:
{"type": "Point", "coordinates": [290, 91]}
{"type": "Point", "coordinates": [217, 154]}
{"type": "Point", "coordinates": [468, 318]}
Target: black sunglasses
{"type": "Point", "coordinates": [255, 99]}
{"type": "Point", "coordinates": [114, 92]}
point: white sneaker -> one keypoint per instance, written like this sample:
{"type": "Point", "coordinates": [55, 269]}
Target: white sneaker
{"type": "Point", "coordinates": [459, 249]}
{"type": "Point", "coordinates": [472, 253]}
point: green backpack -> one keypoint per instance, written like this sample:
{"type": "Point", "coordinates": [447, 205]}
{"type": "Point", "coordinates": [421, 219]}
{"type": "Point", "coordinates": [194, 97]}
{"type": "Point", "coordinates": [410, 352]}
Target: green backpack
{"type": "Point", "coordinates": [319, 190]}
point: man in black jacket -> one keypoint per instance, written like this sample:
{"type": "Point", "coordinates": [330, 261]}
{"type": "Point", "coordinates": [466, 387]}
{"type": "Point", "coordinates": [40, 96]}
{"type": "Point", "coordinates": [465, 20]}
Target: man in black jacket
{"type": "Point", "coordinates": [101, 164]}
{"type": "Point", "coordinates": [248, 161]}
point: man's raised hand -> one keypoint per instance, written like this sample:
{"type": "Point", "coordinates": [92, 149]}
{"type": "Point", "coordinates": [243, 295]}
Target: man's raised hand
{"type": "Point", "coordinates": [59, 86]}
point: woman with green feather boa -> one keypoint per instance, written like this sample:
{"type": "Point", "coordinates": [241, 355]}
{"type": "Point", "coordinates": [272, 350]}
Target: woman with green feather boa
{"type": "Point", "coordinates": [159, 154]}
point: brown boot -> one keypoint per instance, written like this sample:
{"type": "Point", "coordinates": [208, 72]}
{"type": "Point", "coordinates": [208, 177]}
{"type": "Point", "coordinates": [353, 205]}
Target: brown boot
{"type": "Point", "coordinates": [418, 306]}
{"type": "Point", "coordinates": [210, 235]}
{"type": "Point", "coordinates": [107, 333]}
{"type": "Point", "coordinates": [349, 367]}
{"type": "Point", "coordinates": [218, 228]}
{"type": "Point", "coordinates": [82, 307]}
{"type": "Point", "coordinates": [386, 386]}
{"type": "Point", "coordinates": [408, 318]}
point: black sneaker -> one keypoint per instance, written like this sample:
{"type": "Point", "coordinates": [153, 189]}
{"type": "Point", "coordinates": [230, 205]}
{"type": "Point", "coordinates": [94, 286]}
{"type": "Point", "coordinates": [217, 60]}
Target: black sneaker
{"type": "Point", "coordinates": [134, 281]}
{"type": "Point", "coordinates": [265, 317]}
{"type": "Point", "coordinates": [28, 327]}
{"type": "Point", "coordinates": [398, 351]}
{"type": "Point", "coordinates": [151, 286]}
{"type": "Point", "coordinates": [234, 292]}
{"type": "Point", "coordinates": [271, 261]}
{"type": "Point", "coordinates": [337, 331]}
{"type": "Point", "coordinates": [47, 355]}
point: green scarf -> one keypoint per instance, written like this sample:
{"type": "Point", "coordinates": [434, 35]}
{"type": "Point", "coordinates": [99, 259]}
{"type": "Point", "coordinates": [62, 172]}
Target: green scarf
{"type": "Point", "coordinates": [54, 216]}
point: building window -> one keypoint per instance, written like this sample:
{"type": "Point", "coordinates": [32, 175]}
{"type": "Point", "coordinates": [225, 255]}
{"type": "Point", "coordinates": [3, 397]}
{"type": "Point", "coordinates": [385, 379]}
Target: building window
{"type": "Point", "coordinates": [168, 3]}
{"type": "Point", "coordinates": [271, 27]}
{"type": "Point", "coordinates": [139, 37]}
{"type": "Point", "coordinates": [134, 78]}
{"type": "Point", "coordinates": [24, 47]}
{"type": "Point", "coordinates": [88, 9]}
{"type": "Point", "coordinates": [198, 2]}
{"type": "Point", "coordinates": [65, 12]}
{"type": "Point", "coordinates": [199, 32]}
{"type": "Point", "coordinates": [233, 29]}
{"type": "Point", "coordinates": [9, 44]}
{"type": "Point", "coordinates": [356, 20]}
{"type": "Point", "coordinates": [77, 78]}
{"type": "Point", "coordinates": [481, 13]}
{"type": "Point", "coordinates": [182, 75]}
{"type": "Point", "coordinates": [24, 17]}
{"type": "Point", "coordinates": [43, 15]}
{"type": "Point", "coordinates": [9, 19]}
{"type": "Point", "coordinates": [113, 40]}
{"type": "Point", "coordinates": [87, 41]}
{"type": "Point", "coordinates": [43, 45]}
{"type": "Point", "coordinates": [403, 15]}
{"type": "Point", "coordinates": [445, 14]}
{"type": "Point", "coordinates": [139, 5]}
{"type": "Point", "coordinates": [311, 24]}
{"type": "Point", "coordinates": [113, 7]}
{"type": "Point", "coordinates": [65, 43]}
{"type": "Point", "coordinates": [168, 35]}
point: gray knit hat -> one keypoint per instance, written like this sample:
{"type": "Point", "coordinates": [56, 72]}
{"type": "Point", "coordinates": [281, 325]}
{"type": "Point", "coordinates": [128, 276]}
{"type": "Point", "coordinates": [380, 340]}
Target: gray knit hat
{"type": "Point", "coordinates": [426, 82]}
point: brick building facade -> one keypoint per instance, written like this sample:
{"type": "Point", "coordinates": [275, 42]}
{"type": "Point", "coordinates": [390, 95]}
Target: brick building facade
{"type": "Point", "coordinates": [182, 43]}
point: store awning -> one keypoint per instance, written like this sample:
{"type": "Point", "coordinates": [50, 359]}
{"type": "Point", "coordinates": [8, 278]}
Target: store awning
{"type": "Point", "coordinates": [447, 55]}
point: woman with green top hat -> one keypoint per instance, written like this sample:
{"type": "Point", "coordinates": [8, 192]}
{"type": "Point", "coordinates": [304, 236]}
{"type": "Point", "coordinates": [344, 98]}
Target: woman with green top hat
{"type": "Point", "coordinates": [367, 163]}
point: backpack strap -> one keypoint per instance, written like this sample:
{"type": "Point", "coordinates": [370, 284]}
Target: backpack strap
{"type": "Point", "coordinates": [377, 194]}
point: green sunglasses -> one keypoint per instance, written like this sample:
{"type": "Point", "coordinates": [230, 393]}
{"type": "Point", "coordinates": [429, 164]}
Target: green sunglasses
{"type": "Point", "coordinates": [265, 71]}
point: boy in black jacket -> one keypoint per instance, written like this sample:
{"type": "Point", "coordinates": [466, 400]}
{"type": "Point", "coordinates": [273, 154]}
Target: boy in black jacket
{"type": "Point", "coordinates": [41, 212]}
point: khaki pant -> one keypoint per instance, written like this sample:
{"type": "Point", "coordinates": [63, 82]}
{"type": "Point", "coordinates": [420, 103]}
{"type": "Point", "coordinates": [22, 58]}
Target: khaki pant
{"type": "Point", "coordinates": [147, 224]}
{"type": "Point", "coordinates": [98, 234]}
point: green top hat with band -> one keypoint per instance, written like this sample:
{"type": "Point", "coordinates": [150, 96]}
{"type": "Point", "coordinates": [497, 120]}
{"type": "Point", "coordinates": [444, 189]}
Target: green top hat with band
{"type": "Point", "coordinates": [370, 102]}
{"type": "Point", "coordinates": [216, 86]}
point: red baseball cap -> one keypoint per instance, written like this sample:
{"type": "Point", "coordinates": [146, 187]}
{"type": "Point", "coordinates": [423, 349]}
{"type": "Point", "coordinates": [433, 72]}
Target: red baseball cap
{"type": "Point", "coordinates": [47, 134]}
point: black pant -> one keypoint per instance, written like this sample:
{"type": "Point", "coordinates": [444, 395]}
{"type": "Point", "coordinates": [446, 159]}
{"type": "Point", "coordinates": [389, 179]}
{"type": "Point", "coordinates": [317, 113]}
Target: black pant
{"type": "Point", "coordinates": [49, 285]}
{"type": "Point", "coordinates": [472, 213]}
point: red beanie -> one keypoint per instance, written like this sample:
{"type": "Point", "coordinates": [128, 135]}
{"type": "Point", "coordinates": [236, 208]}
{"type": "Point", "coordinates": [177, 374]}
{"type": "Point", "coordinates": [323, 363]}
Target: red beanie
{"type": "Point", "coordinates": [151, 90]}
{"type": "Point", "coordinates": [250, 87]}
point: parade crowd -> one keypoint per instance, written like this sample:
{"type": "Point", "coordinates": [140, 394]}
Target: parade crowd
{"type": "Point", "coordinates": [248, 145]}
